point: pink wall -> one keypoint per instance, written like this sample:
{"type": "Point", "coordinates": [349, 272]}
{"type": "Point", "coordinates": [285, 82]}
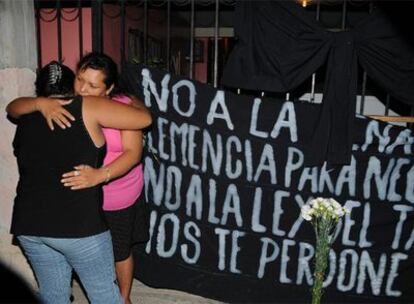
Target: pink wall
{"type": "Point", "coordinates": [200, 68]}
{"type": "Point", "coordinates": [134, 20]}
{"type": "Point", "coordinates": [70, 36]}
{"type": "Point", "coordinates": [111, 34]}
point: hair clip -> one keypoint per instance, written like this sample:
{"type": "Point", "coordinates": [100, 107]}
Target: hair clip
{"type": "Point", "coordinates": [55, 73]}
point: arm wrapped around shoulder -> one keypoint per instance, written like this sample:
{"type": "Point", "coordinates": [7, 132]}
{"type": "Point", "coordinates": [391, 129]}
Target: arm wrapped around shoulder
{"type": "Point", "coordinates": [116, 115]}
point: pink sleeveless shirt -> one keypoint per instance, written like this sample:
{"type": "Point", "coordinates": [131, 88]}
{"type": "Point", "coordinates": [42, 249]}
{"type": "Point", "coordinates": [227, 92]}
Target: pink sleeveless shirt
{"type": "Point", "coordinates": [121, 192]}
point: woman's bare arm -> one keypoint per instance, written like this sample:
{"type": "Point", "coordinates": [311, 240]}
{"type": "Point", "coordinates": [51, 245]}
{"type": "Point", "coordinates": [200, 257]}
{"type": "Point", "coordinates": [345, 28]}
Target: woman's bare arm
{"type": "Point", "coordinates": [136, 102]}
{"type": "Point", "coordinates": [21, 106]}
{"type": "Point", "coordinates": [132, 148]}
{"type": "Point", "coordinates": [132, 145]}
{"type": "Point", "coordinates": [109, 114]}
{"type": "Point", "coordinates": [51, 109]}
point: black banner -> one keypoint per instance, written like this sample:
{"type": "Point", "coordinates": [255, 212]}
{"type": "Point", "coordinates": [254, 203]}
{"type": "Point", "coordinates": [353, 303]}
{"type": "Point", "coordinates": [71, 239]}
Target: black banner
{"type": "Point", "coordinates": [225, 179]}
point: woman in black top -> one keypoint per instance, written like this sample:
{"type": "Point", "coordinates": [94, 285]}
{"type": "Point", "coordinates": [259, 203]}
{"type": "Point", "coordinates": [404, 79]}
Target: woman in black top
{"type": "Point", "coordinates": [60, 229]}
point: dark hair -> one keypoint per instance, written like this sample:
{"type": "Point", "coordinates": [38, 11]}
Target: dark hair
{"type": "Point", "coordinates": [54, 79]}
{"type": "Point", "coordinates": [101, 62]}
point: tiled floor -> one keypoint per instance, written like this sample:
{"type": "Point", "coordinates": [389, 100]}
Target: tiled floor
{"type": "Point", "coordinates": [142, 294]}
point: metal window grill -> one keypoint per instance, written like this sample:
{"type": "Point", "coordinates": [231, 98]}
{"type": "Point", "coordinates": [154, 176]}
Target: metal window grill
{"type": "Point", "coordinates": [175, 34]}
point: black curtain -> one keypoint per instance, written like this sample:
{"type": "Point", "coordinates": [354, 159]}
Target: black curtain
{"type": "Point", "coordinates": [280, 46]}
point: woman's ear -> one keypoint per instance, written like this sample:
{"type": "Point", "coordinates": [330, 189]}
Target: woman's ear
{"type": "Point", "coordinates": [107, 92]}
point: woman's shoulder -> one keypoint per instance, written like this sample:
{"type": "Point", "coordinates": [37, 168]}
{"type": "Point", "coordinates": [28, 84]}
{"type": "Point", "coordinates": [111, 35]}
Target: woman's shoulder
{"type": "Point", "coordinates": [123, 98]}
{"type": "Point", "coordinates": [96, 101]}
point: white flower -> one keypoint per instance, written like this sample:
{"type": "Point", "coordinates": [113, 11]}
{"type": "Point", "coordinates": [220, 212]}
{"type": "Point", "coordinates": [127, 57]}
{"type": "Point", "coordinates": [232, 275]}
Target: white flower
{"type": "Point", "coordinates": [324, 214]}
{"type": "Point", "coordinates": [323, 208]}
{"type": "Point", "coordinates": [339, 212]}
{"type": "Point", "coordinates": [335, 204]}
{"type": "Point", "coordinates": [306, 212]}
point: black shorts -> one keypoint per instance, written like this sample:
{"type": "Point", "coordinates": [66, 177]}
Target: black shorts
{"type": "Point", "coordinates": [128, 227]}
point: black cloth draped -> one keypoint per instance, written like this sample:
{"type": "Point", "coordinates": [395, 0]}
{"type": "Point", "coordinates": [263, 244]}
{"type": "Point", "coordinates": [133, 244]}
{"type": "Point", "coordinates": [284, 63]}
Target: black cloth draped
{"type": "Point", "coordinates": [280, 46]}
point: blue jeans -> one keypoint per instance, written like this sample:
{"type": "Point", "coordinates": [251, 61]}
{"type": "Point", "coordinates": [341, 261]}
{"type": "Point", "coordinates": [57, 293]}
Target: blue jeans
{"type": "Point", "coordinates": [53, 259]}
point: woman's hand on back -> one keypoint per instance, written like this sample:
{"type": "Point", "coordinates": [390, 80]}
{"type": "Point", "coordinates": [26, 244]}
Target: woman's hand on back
{"type": "Point", "coordinates": [54, 112]}
{"type": "Point", "coordinates": [83, 177]}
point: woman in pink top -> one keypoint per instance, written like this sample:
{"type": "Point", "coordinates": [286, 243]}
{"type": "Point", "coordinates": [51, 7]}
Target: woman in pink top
{"type": "Point", "coordinates": [122, 172]}
{"type": "Point", "coordinates": [123, 192]}
{"type": "Point", "coordinates": [97, 75]}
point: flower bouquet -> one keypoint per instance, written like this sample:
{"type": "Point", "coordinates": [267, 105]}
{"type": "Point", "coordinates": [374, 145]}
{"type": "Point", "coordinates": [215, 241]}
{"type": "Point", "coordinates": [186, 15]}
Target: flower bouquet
{"type": "Point", "coordinates": [324, 214]}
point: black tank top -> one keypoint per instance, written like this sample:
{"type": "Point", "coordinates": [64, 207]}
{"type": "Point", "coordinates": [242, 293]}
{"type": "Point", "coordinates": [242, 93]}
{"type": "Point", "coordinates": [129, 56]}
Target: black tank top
{"type": "Point", "coordinates": [43, 206]}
